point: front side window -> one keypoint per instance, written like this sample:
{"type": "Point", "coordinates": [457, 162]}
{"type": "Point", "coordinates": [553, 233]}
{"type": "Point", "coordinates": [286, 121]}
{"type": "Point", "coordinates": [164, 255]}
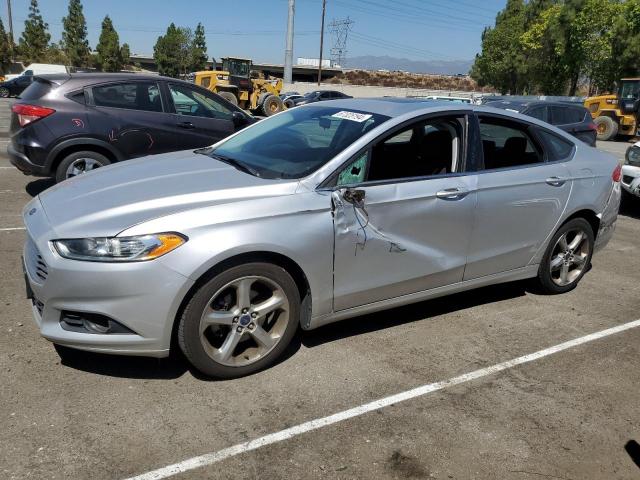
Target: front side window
{"type": "Point", "coordinates": [299, 141]}
{"type": "Point", "coordinates": [133, 96]}
{"type": "Point", "coordinates": [424, 149]}
{"type": "Point", "coordinates": [507, 144]}
{"type": "Point", "coordinates": [190, 102]}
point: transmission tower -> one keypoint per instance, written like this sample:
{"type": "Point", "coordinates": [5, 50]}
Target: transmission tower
{"type": "Point", "coordinates": [340, 32]}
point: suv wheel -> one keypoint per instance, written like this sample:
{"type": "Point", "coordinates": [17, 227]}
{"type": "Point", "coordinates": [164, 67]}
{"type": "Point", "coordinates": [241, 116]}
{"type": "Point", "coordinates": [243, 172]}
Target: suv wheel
{"type": "Point", "coordinates": [78, 163]}
{"type": "Point", "coordinates": [4, 92]}
{"type": "Point", "coordinates": [240, 321]}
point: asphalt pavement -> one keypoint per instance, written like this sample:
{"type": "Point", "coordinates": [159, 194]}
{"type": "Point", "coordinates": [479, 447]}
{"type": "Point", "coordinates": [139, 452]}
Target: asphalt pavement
{"type": "Point", "coordinates": [570, 414]}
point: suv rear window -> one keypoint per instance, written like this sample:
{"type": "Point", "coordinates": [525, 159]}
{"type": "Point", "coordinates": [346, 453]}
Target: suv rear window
{"type": "Point", "coordinates": [133, 96]}
{"type": "Point", "coordinates": [38, 89]}
{"type": "Point", "coordinates": [561, 115]}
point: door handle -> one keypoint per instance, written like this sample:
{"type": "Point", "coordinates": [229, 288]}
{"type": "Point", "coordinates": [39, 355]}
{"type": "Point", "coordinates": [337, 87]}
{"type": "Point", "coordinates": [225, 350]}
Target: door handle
{"type": "Point", "coordinates": [452, 193]}
{"type": "Point", "coordinates": [186, 125]}
{"type": "Point", "coordinates": [556, 181]}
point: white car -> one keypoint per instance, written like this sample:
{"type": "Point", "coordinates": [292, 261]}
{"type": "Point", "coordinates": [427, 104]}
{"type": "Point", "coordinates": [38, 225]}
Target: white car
{"type": "Point", "coordinates": [631, 170]}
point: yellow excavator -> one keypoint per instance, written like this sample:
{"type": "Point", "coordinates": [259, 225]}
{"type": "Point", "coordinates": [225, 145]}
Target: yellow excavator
{"type": "Point", "coordinates": [616, 114]}
{"type": "Point", "coordinates": [237, 83]}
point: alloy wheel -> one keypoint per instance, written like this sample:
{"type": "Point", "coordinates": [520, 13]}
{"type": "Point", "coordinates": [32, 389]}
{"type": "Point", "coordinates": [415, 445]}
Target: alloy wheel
{"type": "Point", "coordinates": [569, 257]}
{"type": "Point", "coordinates": [4, 92]}
{"type": "Point", "coordinates": [244, 320]}
{"type": "Point", "coordinates": [82, 165]}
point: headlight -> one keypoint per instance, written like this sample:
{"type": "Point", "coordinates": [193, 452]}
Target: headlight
{"type": "Point", "coordinates": [119, 249]}
{"type": "Point", "coordinates": [633, 156]}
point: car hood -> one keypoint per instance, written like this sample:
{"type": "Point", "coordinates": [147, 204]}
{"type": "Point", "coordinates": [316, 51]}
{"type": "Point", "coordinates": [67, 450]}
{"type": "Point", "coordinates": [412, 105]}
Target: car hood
{"type": "Point", "coordinates": [109, 200]}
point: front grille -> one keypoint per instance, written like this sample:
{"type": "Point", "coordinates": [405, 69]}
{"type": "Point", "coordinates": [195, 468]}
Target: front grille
{"type": "Point", "coordinates": [35, 263]}
{"type": "Point", "coordinates": [626, 179]}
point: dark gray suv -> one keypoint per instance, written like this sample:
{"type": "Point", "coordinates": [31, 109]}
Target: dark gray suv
{"type": "Point", "coordinates": [66, 124]}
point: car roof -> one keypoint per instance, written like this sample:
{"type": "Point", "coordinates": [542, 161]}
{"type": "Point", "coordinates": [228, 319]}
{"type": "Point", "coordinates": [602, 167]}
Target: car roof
{"type": "Point", "coordinates": [392, 106]}
{"type": "Point", "coordinates": [522, 104]}
{"type": "Point", "coordinates": [95, 77]}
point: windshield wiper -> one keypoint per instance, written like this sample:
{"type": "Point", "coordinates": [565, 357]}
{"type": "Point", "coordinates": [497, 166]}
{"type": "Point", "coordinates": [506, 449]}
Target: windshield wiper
{"type": "Point", "coordinates": [243, 167]}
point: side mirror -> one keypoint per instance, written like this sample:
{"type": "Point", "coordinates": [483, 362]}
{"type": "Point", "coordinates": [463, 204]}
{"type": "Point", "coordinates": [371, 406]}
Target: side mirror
{"type": "Point", "coordinates": [239, 119]}
{"type": "Point", "coordinates": [353, 196]}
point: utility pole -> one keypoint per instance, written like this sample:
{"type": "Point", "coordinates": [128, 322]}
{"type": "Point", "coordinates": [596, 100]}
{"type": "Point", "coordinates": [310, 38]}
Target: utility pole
{"type": "Point", "coordinates": [288, 54]}
{"type": "Point", "coordinates": [324, 8]}
{"type": "Point", "coordinates": [10, 22]}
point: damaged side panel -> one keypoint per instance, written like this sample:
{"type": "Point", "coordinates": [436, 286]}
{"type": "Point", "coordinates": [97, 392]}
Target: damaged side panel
{"type": "Point", "coordinates": [401, 238]}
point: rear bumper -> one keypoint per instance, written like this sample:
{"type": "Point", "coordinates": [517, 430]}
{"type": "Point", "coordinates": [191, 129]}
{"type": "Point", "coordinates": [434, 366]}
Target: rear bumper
{"type": "Point", "coordinates": [22, 163]}
{"type": "Point", "coordinates": [608, 218]}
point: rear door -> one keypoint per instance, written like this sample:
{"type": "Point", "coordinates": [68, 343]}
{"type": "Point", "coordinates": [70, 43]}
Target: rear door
{"type": "Point", "coordinates": [521, 197]}
{"type": "Point", "coordinates": [130, 116]}
{"type": "Point", "coordinates": [200, 119]}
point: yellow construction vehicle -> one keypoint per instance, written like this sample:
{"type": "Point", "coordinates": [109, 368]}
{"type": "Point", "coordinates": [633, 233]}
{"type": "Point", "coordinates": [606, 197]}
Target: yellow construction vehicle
{"type": "Point", "coordinates": [616, 114]}
{"type": "Point", "coordinates": [237, 83]}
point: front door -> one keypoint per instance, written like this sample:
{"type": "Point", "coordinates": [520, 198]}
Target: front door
{"type": "Point", "coordinates": [200, 119]}
{"type": "Point", "coordinates": [403, 213]}
{"type": "Point", "coordinates": [521, 197]}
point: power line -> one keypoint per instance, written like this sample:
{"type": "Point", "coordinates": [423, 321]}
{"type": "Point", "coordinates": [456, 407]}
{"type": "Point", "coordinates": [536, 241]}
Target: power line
{"type": "Point", "coordinates": [340, 31]}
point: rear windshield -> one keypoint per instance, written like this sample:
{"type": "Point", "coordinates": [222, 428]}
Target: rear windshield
{"type": "Point", "coordinates": [297, 142]}
{"type": "Point", "coordinates": [38, 89]}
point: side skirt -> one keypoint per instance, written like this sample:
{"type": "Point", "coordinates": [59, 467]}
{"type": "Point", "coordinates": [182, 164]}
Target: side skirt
{"type": "Point", "coordinates": [529, 271]}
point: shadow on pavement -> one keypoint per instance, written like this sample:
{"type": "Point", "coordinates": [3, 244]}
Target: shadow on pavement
{"type": "Point", "coordinates": [633, 449]}
{"type": "Point", "coordinates": [411, 313]}
{"type": "Point", "coordinates": [38, 186]}
{"type": "Point", "coordinates": [630, 206]}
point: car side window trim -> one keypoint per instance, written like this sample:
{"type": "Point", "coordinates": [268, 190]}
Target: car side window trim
{"type": "Point", "coordinates": [530, 131]}
{"type": "Point", "coordinates": [329, 182]}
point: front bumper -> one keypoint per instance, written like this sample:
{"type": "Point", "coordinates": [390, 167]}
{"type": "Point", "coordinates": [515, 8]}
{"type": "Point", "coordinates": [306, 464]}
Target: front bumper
{"type": "Point", "coordinates": [144, 297]}
{"type": "Point", "coordinates": [631, 179]}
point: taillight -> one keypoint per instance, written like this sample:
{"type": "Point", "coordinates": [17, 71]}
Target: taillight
{"type": "Point", "coordinates": [30, 113]}
{"type": "Point", "coordinates": [617, 173]}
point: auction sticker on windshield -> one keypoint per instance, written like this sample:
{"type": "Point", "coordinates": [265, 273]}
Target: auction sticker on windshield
{"type": "Point", "coordinates": [353, 116]}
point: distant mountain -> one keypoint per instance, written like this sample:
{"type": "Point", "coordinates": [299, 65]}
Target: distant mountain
{"type": "Point", "coordinates": [444, 67]}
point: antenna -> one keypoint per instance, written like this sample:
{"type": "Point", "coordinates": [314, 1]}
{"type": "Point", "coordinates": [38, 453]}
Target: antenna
{"type": "Point", "coordinates": [340, 31]}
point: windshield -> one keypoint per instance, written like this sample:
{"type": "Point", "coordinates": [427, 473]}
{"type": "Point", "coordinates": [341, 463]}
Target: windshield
{"type": "Point", "coordinates": [630, 89]}
{"type": "Point", "coordinates": [238, 68]}
{"type": "Point", "coordinates": [297, 142]}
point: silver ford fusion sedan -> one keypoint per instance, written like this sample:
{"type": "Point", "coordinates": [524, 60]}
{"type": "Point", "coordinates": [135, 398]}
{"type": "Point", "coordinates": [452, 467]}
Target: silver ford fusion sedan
{"type": "Point", "coordinates": [320, 213]}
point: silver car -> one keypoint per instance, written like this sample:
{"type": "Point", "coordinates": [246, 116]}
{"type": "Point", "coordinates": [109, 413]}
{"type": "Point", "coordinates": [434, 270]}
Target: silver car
{"type": "Point", "coordinates": [314, 215]}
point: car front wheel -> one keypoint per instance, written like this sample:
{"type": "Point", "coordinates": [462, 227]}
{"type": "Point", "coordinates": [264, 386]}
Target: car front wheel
{"type": "Point", "coordinates": [240, 321]}
{"type": "Point", "coordinates": [567, 258]}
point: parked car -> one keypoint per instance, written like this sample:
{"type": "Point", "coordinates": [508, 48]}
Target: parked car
{"type": "Point", "coordinates": [631, 170]}
{"type": "Point", "coordinates": [39, 69]}
{"type": "Point", "coordinates": [320, 213]}
{"type": "Point", "coordinates": [570, 117]}
{"type": "Point", "coordinates": [289, 97]}
{"type": "Point", "coordinates": [15, 86]}
{"type": "Point", "coordinates": [446, 98]}
{"type": "Point", "coordinates": [319, 96]}
{"type": "Point", "coordinates": [67, 124]}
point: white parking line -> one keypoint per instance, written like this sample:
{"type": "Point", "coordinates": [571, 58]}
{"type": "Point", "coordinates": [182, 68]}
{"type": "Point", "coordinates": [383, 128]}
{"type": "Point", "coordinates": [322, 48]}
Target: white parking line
{"type": "Point", "coordinates": [11, 229]}
{"type": "Point", "coordinates": [214, 457]}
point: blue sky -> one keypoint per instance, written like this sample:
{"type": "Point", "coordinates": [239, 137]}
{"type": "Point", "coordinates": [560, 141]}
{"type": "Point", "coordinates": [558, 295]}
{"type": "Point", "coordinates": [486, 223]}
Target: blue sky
{"type": "Point", "coordinates": [414, 29]}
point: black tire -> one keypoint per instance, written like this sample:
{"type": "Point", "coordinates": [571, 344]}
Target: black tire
{"type": "Point", "coordinates": [189, 326]}
{"type": "Point", "coordinates": [4, 92]}
{"type": "Point", "coordinates": [229, 97]}
{"type": "Point", "coordinates": [99, 159]}
{"type": "Point", "coordinates": [272, 105]}
{"type": "Point", "coordinates": [544, 281]}
{"type": "Point", "coordinates": [607, 128]}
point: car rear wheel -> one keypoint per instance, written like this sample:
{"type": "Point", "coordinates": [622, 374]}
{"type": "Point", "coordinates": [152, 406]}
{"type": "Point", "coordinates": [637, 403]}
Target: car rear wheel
{"type": "Point", "coordinates": [78, 163]}
{"type": "Point", "coordinates": [568, 257]}
{"type": "Point", "coordinates": [4, 92]}
{"type": "Point", "coordinates": [241, 321]}
{"type": "Point", "coordinates": [607, 128]}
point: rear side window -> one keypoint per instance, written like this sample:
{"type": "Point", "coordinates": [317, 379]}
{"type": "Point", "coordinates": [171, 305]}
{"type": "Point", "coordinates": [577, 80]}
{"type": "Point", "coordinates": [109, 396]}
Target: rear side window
{"type": "Point", "coordinates": [77, 97]}
{"type": "Point", "coordinates": [133, 96]}
{"type": "Point", "coordinates": [507, 144]}
{"type": "Point", "coordinates": [561, 115]}
{"type": "Point", "coordinates": [37, 89]}
{"type": "Point", "coordinates": [557, 148]}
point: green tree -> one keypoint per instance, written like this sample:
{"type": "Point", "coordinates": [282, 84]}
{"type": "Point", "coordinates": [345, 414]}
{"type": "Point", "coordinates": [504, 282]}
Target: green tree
{"type": "Point", "coordinates": [74, 35]}
{"type": "Point", "coordinates": [626, 39]}
{"type": "Point", "coordinates": [6, 53]}
{"type": "Point", "coordinates": [172, 51]}
{"type": "Point", "coordinates": [501, 62]}
{"type": "Point", "coordinates": [125, 54]}
{"type": "Point", "coordinates": [108, 48]}
{"type": "Point", "coordinates": [198, 50]}
{"type": "Point", "coordinates": [35, 37]}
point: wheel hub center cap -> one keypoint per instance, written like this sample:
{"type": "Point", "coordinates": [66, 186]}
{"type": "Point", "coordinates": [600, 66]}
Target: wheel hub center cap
{"type": "Point", "coordinates": [244, 320]}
